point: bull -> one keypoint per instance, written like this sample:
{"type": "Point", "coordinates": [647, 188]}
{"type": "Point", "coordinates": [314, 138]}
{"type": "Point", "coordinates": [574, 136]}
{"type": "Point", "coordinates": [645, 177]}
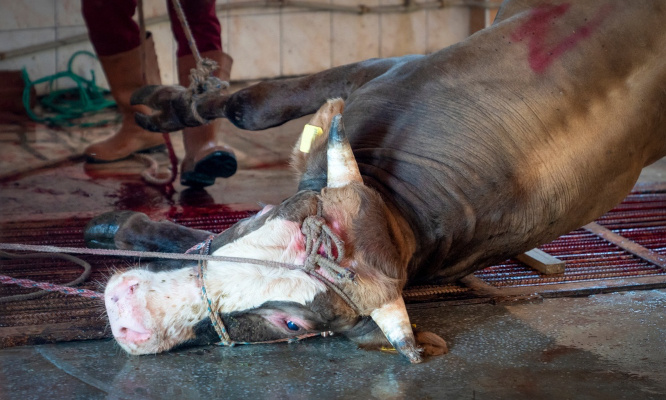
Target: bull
{"type": "Point", "coordinates": [439, 165]}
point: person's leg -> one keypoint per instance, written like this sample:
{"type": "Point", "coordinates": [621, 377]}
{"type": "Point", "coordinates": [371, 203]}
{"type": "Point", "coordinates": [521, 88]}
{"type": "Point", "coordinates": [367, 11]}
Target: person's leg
{"type": "Point", "coordinates": [110, 25]}
{"type": "Point", "coordinates": [116, 39]}
{"type": "Point", "coordinates": [204, 159]}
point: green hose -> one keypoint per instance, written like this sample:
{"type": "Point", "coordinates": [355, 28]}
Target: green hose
{"type": "Point", "coordinates": [66, 105]}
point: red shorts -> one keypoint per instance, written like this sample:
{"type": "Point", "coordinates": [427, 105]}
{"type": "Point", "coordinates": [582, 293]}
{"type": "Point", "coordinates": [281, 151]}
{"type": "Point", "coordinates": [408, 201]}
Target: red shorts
{"type": "Point", "coordinates": [112, 29]}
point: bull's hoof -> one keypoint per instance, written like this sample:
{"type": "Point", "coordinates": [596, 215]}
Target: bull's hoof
{"type": "Point", "coordinates": [101, 231]}
{"type": "Point", "coordinates": [430, 344]}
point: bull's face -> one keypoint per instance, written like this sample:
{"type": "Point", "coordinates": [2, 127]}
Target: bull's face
{"type": "Point", "coordinates": [152, 312]}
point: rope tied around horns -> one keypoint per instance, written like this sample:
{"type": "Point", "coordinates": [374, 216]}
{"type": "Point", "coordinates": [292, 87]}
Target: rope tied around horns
{"type": "Point", "coordinates": [318, 235]}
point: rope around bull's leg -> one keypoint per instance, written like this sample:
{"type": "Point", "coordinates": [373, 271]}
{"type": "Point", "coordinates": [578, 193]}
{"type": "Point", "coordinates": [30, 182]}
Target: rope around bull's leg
{"type": "Point", "coordinates": [205, 67]}
{"type": "Point", "coordinates": [201, 81]}
{"type": "Point", "coordinates": [47, 286]}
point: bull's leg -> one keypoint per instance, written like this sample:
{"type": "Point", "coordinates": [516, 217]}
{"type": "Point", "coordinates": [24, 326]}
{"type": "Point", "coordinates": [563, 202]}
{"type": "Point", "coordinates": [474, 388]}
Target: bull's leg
{"type": "Point", "coordinates": [259, 106]}
{"type": "Point", "coordinates": [129, 230]}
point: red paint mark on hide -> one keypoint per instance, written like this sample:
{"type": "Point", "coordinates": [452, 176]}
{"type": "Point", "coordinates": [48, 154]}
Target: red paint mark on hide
{"type": "Point", "coordinates": [537, 29]}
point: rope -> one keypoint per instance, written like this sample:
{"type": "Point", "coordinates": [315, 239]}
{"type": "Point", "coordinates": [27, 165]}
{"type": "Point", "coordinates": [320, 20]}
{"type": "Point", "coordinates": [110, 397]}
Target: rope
{"type": "Point", "coordinates": [141, 254]}
{"type": "Point", "coordinates": [150, 174]}
{"type": "Point", "coordinates": [66, 105]}
{"type": "Point", "coordinates": [188, 32]}
{"type": "Point", "coordinates": [176, 256]}
{"type": "Point", "coordinates": [47, 287]}
{"type": "Point", "coordinates": [202, 257]}
{"type": "Point", "coordinates": [216, 320]}
{"type": "Point", "coordinates": [201, 78]}
{"type": "Point", "coordinates": [201, 81]}
{"type": "Point", "coordinates": [317, 233]}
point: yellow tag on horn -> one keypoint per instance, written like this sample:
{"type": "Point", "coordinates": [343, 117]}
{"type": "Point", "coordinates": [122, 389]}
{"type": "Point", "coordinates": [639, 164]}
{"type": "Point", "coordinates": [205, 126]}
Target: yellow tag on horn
{"type": "Point", "coordinates": [310, 132]}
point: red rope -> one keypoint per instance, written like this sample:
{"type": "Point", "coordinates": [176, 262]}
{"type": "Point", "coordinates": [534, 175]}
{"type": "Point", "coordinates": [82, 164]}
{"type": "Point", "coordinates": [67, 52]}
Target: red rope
{"type": "Point", "coordinates": [172, 158]}
{"type": "Point", "coordinates": [50, 287]}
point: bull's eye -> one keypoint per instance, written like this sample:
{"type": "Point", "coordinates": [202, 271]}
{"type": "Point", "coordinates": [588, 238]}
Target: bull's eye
{"type": "Point", "coordinates": [292, 326]}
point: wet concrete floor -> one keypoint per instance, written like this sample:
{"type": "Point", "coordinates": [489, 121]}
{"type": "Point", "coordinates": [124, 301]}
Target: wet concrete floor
{"type": "Point", "coordinates": [601, 347]}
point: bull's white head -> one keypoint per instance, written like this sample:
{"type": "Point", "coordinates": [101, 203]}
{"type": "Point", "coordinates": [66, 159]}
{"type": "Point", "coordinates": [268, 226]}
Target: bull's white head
{"type": "Point", "coordinates": [153, 311]}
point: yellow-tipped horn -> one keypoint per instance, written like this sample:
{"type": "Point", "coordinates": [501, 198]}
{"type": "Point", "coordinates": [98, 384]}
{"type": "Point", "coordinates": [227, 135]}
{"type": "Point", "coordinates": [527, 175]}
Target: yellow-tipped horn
{"type": "Point", "coordinates": [342, 167]}
{"type": "Point", "coordinates": [393, 320]}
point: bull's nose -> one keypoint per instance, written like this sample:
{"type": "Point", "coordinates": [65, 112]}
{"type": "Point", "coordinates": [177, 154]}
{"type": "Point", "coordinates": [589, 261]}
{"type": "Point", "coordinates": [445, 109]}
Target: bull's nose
{"type": "Point", "coordinates": [129, 335]}
{"type": "Point", "coordinates": [129, 330]}
{"type": "Point", "coordinates": [126, 316]}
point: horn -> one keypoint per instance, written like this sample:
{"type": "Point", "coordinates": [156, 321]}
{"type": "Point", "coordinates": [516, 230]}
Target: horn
{"type": "Point", "coordinates": [393, 320]}
{"type": "Point", "coordinates": [342, 167]}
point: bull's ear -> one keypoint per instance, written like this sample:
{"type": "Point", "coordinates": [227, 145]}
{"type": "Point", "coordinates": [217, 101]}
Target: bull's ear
{"type": "Point", "coordinates": [393, 320]}
{"type": "Point", "coordinates": [342, 167]}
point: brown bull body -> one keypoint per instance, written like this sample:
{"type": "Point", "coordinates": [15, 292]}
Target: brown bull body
{"type": "Point", "coordinates": [519, 134]}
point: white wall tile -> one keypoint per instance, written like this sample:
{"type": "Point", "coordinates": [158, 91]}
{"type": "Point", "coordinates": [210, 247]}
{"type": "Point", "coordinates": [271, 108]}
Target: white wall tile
{"type": "Point", "coordinates": [391, 2]}
{"type": "Point", "coordinates": [39, 64]}
{"type": "Point", "coordinates": [224, 22]}
{"type": "Point", "coordinates": [82, 64]}
{"type": "Point", "coordinates": [446, 27]}
{"type": "Point", "coordinates": [355, 38]}
{"type": "Point", "coordinates": [254, 43]}
{"type": "Point", "coordinates": [68, 13]}
{"type": "Point", "coordinates": [154, 8]}
{"type": "Point", "coordinates": [292, 10]}
{"type": "Point", "coordinates": [369, 3]}
{"type": "Point", "coordinates": [306, 42]}
{"type": "Point", "coordinates": [402, 33]}
{"type": "Point", "coordinates": [166, 54]}
{"type": "Point", "coordinates": [252, 11]}
{"type": "Point", "coordinates": [24, 14]}
{"type": "Point", "coordinates": [265, 42]}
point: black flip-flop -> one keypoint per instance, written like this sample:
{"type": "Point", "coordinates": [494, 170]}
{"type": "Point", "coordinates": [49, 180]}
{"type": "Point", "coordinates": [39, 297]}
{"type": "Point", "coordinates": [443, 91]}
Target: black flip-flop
{"type": "Point", "coordinates": [218, 164]}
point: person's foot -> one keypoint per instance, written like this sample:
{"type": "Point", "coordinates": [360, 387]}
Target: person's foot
{"type": "Point", "coordinates": [128, 140]}
{"type": "Point", "coordinates": [209, 163]}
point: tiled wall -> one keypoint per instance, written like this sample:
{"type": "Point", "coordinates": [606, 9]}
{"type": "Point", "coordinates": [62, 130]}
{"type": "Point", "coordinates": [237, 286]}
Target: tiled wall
{"type": "Point", "coordinates": [264, 42]}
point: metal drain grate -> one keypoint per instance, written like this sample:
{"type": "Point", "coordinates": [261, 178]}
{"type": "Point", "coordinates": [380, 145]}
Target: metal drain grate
{"type": "Point", "coordinates": [593, 265]}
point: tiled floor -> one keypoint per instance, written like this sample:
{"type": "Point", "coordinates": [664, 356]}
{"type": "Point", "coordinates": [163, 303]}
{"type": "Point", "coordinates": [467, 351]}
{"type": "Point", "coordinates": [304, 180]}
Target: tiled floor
{"type": "Point", "coordinates": [600, 347]}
